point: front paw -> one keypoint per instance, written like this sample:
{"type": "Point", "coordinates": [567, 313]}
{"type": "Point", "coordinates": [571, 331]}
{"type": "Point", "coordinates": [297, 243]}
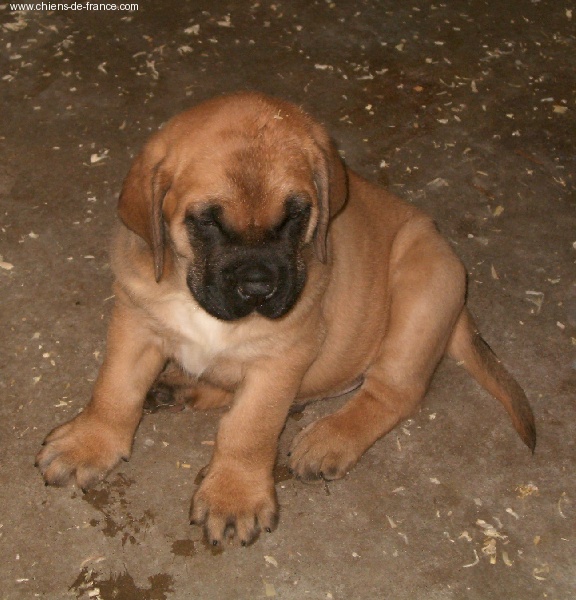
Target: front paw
{"type": "Point", "coordinates": [85, 449]}
{"type": "Point", "coordinates": [232, 502]}
{"type": "Point", "coordinates": [325, 449]}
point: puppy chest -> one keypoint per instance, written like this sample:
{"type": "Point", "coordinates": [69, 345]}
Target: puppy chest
{"type": "Point", "coordinates": [194, 338]}
{"type": "Point", "coordinates": [193, 357]}
{"type": "Point", "coordinates": [217, 366]}
{"type": "Point", "coordinates": [220, 351]}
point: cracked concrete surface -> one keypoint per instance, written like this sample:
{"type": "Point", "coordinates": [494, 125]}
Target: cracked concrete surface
{"type": "Point", "coordinates": [465, 108]}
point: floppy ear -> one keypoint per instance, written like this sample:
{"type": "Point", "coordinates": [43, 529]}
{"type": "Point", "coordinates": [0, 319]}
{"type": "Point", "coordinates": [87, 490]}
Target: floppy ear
{"type": "Point", "coordinates": [332, 187]}
{"type": "Point", "coordinates": [141, 200]}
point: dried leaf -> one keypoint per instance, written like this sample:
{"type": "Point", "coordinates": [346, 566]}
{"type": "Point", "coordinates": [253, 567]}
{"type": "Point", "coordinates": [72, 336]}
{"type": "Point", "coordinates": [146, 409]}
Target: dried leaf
{"type": "Point", "coordinates": [269, 590]}
{"type": "Point", "coordinates": [527, 489]}
{"type": "Point", "coordinates": [95, 158]}
{"type": "Point", "coordinates": [17, 25]}
{"type": "Point", "coordinates": [564, 501]}
{"type": "Point", "coordinates": [473, 564]}
{"type": "Point", "coordinates": [225, 22]}
{"type": "Point", "coordinates": [438, 183]}
{"type": "Point", "coordinates": [538, 572]}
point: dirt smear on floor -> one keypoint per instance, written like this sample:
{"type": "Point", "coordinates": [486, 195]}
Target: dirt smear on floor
{"type": "Point", "coordinates": [90, 584]}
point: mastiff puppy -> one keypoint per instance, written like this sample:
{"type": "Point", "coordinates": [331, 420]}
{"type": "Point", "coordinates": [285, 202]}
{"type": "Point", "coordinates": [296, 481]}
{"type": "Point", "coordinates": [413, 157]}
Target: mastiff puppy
{"type": "Point", "coordinates": [267, 274]}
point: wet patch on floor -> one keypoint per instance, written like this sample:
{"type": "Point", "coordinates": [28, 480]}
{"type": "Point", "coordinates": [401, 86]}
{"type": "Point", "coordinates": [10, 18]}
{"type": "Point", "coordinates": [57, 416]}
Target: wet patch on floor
{"type": "Point", "coordinates": [111, 501]}
{"type": "Point", "coordinates": [282, 473]}
{"type": "Point", "coordinates": [214, 550]}
{"type": "Point", "coordinates": [90, 584]}
{"type": "Point", "coordinates": [184, 548]}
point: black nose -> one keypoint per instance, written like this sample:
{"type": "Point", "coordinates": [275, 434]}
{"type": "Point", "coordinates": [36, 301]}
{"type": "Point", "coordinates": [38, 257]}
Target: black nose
{"type": "Point", "coordinates": [255, 282]}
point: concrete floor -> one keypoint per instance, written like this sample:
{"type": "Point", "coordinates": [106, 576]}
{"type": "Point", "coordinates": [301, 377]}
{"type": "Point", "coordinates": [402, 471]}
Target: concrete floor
{"type": "Point", "coordinates": [464, 109]}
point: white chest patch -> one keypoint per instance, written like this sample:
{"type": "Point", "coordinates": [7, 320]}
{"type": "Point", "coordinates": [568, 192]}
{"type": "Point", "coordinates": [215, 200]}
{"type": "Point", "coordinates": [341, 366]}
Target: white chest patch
{"type": "Point", "coordinates": [199, 337]}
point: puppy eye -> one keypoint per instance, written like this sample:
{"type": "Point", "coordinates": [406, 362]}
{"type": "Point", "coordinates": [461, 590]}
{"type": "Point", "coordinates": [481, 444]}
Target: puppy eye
{"type": "Point", "coordinates": [297, 212]}
{"type": "Point", "coordinates": [207, 219]}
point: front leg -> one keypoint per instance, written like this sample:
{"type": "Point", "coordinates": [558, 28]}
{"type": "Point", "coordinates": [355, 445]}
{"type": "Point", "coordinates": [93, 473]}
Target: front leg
{"type": "Point", "coordinates": [87, 447]}
{"type": "Point", "coordinates": [237, 496]}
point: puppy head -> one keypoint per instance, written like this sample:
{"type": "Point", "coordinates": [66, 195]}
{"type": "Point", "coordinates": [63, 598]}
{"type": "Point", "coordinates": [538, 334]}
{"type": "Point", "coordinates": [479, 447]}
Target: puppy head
{"type": "Point", "coordinates": [237, 189]}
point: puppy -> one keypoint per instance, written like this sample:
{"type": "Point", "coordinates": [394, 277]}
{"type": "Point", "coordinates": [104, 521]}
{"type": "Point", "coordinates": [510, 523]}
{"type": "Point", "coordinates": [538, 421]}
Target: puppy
{"type": "Point", "coordinates": [251, 258]}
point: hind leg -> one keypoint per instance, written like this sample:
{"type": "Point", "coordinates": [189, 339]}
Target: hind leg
{"type": "Point", "coordinates": [427, 295]}
{"type": "Point", "coordinates": [174, 389]}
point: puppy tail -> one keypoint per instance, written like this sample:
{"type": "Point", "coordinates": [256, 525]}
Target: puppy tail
{"type": "Point", "coordinates": [468, 348]}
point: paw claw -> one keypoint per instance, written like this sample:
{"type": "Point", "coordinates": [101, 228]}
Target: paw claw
{"type": "Point", "coordinates": [84, 449]}
{"type": "Point", "coordinates": [231, 503]}
{"type": "Point", "coordinates": [325, 450]}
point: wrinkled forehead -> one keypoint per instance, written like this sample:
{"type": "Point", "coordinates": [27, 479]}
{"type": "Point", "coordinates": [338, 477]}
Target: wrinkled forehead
{"type": "Point", "coordinates": [249, 167]}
